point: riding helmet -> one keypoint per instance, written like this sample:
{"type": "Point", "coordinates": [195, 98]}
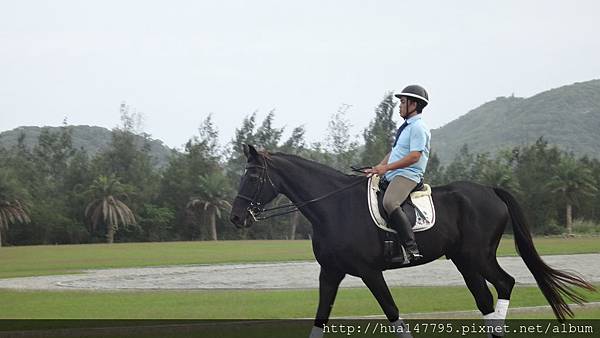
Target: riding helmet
{"type": "Point", "coordinates": [415, 91]}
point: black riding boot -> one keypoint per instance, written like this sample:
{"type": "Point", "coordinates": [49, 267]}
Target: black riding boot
{"type": "Point", "coordinates": [402, 225]}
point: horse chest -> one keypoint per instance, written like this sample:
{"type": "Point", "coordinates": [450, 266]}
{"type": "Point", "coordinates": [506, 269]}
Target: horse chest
{"type": "Point", "coordinates": [340, 258]}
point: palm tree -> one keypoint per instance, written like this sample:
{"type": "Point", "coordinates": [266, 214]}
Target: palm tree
{"type": "Point", "coordinates": [571, 180]}
{"type": "Point", "coordinates": [212, 198]}
{"type": "Point", "coordinates": [106, 206]}
{"type": "Point", "coordinates": [12, 202]}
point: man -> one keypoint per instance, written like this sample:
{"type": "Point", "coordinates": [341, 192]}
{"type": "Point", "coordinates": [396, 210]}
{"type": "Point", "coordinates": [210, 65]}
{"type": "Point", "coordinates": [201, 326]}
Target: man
{"type": "Point", "coordinates": [403, 167]}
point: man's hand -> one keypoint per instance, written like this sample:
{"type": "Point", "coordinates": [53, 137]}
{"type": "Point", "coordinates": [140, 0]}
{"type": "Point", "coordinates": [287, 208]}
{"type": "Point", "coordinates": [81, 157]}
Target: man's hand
{"type": "Point", "coordinates": [379, 169]}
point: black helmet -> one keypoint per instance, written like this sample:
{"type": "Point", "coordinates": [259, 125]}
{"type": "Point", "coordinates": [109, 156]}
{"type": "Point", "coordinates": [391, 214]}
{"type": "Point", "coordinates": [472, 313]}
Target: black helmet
{"type": "Point", "coordinates": [415, 91]}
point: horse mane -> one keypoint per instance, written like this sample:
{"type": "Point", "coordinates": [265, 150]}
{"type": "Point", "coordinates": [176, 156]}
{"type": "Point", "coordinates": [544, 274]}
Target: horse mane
{"type": "Point", "coordinates": [265, 154]}
{"type": "Point", "coordinates": [310, 164]}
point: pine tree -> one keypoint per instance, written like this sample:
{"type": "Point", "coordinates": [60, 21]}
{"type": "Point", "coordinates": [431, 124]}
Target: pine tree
{"type": "Point", "coordinates": [379, 136]}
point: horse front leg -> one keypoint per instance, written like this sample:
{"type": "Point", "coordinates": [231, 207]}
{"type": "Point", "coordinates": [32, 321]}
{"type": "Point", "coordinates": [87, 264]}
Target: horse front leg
{"type": "Point", "coordinates": [376, 283]}
{"type": "Point", "coordinates": [329, 282]}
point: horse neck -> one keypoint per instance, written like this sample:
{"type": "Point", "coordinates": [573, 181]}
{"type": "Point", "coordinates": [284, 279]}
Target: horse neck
{"type": "Point", "coordinates": [302, 180]}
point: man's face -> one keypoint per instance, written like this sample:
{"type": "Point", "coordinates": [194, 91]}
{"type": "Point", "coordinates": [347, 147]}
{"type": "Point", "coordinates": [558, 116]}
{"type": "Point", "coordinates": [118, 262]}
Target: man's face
{"type": "Point", "coordinates": [407, 107]}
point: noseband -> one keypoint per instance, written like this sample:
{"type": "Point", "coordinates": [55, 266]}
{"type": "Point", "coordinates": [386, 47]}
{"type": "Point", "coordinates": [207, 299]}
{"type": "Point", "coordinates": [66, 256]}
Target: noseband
{"type": "Point", "coordinates": [255, 208]}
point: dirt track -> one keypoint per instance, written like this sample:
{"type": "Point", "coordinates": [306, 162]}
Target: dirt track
{"type": "Point", "coordinates": [292, 275]}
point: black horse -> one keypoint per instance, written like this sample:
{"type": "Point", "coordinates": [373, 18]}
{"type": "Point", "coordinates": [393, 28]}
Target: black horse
{"type": "Point", "coordinates": [470, 222]}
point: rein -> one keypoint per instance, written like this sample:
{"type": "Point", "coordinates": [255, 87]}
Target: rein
{"type": "Point", "coordinates": [256, 210]}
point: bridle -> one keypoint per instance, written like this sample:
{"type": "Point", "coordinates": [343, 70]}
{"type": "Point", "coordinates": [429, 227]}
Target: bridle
{"type": "Point", "coordinates": [256, 209]}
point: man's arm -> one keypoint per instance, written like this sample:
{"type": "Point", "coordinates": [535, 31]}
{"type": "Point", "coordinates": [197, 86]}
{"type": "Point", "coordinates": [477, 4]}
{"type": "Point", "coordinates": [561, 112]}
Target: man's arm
{"type": "Point", "coordinates": [385, 159]}
{"type": "Point", "coordinates": [408, 160]}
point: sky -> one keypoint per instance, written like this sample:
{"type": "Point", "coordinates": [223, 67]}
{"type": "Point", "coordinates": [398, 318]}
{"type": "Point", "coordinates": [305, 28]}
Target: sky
{"type": "Point", "coordinates": [175, 62]}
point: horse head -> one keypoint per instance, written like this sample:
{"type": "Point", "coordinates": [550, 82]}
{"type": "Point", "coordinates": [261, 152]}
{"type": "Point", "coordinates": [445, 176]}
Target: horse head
{"type": "Point", "coordinates": [255, 191]}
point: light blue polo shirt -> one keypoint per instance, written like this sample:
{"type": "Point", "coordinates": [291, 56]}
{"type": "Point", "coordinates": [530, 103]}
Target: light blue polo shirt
{"type": "Point", "coordinates": [414, 137]}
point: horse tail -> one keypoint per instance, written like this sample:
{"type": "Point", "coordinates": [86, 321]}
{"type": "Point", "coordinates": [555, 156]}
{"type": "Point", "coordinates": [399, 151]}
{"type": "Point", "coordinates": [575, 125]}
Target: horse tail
{"type": "Point", "coordinates": [554, 284]}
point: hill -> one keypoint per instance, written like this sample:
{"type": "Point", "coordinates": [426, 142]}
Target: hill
{"type": "Point", "coordinates": [90, 138]}
{"type": "Point", "coordinates": [568, 117]}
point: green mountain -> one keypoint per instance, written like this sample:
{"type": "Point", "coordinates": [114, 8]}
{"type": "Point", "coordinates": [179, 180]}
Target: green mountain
{"type": "Point", "coordinates": [90, 138]}
{"type": "Point", "coordinates": [568, 117]}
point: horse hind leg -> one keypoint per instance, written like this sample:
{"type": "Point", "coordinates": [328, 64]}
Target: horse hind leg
{"type": "Point", "coordinates": [476, 284]}
{"type": "Point", "coordinates": [480, 291]}
{"type": "Point", "coordinates": [475, 273]}
{"type": "Point", "coordinates": [503, 283]}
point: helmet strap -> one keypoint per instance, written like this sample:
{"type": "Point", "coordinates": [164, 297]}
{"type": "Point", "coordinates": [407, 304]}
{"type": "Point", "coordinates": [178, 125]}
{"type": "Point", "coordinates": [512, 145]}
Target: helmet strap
{"type": "Point", "coordinates": [409, 113]}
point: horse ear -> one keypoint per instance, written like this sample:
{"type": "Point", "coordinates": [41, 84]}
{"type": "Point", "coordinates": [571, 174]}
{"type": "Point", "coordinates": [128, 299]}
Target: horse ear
{"type": "Point", "coordinates": [250, 151]}
{"type": "Point", "coordinates": [253, 152]}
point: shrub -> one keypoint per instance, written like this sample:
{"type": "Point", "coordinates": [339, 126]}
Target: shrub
{"type": "Point", "coordinates": [582, 226]}
{"type": "Point", "coordinates": [552, 228]}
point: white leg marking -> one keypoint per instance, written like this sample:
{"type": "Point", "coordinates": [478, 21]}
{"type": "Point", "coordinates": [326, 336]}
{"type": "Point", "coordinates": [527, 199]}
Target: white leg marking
{"type": "Point", "coordinates": [401, 329]}
{"type": "Point", "coordinates": [316, 332]}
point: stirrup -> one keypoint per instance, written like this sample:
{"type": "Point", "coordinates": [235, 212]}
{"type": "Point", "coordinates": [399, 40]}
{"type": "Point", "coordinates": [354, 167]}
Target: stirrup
{"type": "Point", "coordinates": [402, 257]}
{"type": "Point", "coordinates": [413, 254]}
{"type": "Point", "coordinates": [414, 257]}
{"type": "Point", "coordinates": [399, 259]}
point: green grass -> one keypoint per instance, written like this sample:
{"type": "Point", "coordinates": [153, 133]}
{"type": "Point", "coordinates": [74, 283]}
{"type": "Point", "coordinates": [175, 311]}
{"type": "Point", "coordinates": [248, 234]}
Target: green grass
{"type": "Point", "coordinates": [61, 259]}
{"type": "Point", "coordinates": [553, 245]}
{"type": "Point", "coordinates": [264, 304]}
{"type": "Point", "coordinates": [581, 312]}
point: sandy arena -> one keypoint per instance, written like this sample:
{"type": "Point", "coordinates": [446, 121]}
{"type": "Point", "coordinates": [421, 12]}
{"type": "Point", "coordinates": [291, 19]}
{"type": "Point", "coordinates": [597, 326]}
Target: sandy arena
{"type": "Point", "coordinates": [286, 275]}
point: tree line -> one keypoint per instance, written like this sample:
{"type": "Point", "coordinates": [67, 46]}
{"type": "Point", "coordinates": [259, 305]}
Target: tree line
{"type": "Point", "coordinates": [55, 194]}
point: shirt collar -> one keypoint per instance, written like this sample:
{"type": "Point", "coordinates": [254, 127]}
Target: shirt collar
{"type": "Point", "coordinates": [413, 119]}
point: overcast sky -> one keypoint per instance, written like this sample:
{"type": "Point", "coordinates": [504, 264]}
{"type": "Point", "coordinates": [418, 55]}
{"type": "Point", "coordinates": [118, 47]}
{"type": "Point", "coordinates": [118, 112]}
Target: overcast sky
{"type": "Point", "coordinates": [178, 61]}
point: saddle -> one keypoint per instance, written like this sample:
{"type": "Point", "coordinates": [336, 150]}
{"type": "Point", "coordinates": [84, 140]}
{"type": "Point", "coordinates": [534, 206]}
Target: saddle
{"type": "Point", "coordinates": [418, 206]}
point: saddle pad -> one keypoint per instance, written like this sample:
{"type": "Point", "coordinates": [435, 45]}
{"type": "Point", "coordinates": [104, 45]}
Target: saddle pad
{"type": "Point", "coordinates": [424, 209]}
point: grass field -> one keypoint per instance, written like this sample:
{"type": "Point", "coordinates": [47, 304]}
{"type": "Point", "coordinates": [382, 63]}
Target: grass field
{"type": "Point", "coordinates": [263, 304]}
{"type": "Point", "coordinates": [62, 259]}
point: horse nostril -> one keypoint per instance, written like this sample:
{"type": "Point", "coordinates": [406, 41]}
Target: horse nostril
{"type": "Point", "coordinates": [235, 219]}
